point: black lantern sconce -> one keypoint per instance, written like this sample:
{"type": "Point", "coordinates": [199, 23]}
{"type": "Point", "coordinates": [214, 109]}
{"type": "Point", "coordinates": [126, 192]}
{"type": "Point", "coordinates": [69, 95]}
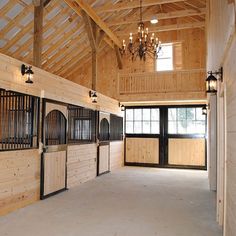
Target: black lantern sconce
{"type": "Point", "coordinates": [204, 110]}
{"type": "Point", "coordinates": [27, 70]}
{"type": "Point", "coordinates": [122, 107]}
{"type": "Point", "coordinates": [211, 81]}
{"type": "Point", "coordinates": [93, 96]}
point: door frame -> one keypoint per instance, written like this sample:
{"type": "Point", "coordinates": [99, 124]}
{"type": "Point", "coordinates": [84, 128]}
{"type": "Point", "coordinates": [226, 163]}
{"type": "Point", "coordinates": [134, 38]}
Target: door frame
{"type": "Point", "coordinates": [102, 143]}
{"type": "Point", "coordinates": [56, 148]}
{"type": "Point", "coordinates": [163, 137]}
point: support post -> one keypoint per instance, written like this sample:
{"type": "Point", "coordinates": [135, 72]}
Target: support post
{"type": "Point", "coordinates": [38, 33]}
{"type": "Point", "coordinates": [94, 70]}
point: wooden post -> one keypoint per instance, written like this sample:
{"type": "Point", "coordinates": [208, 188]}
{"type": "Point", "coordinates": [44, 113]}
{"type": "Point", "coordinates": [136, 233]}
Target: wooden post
{"type": "Point", "coordinates": [118, 57]}
{"type": "Point", "coordinates": [38, 33]}
{"type": "Point", "coordinates": [95, 36]}
{"type": "Point", "coordinates": [94, 70]}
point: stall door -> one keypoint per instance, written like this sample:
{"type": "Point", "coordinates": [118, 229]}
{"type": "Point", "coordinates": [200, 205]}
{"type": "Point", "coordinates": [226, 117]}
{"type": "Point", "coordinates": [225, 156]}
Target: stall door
{"type": "Point", "coordinates": [53, 175]}
{"type": "Point", "coordinates": [104, 144]}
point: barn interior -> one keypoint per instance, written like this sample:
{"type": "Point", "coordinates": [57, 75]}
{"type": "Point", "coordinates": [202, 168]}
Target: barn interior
{"type": "Point", "coordinates": [117, 117]}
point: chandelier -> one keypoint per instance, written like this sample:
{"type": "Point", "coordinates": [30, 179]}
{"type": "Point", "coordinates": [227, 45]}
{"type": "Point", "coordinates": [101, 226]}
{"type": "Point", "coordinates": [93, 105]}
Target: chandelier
{"type": "Point", "coordinates": [144, 44]}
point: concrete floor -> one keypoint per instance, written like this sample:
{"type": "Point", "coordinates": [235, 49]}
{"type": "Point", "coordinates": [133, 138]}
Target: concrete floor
{"type": "Point", "coordinates": [128, 202]}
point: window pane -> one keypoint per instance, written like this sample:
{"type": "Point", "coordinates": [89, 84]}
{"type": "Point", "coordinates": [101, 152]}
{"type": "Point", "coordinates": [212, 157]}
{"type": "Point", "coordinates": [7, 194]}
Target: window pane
{"type": "Point", "coordinates": [155, 127]}
{"type": "Point", "coordinates": [164, 64]}
{"type": "Point", "coordinates": [172, 114]}
{"type": "Point", "coordinates": [172, 127]}
{"type": "Point", "coordinates": [137, 127]}
{"type": "Point", "coordinates": [200, 127]}
{"type": "Point", "coordinates": [199, 115]}
{"type": "Point", "coordinates": [129, 127]}
{"type": "Point", "coordinates": [190, 113]}
{"type": "Point", "coordinates": [191, 128]}
{"type": "Point", "coordinates": [183, 121]}
{"type": "Point", "coordinates": [182, 127]}
{"type": "Point", "coordinates": [181, 114]}
{"type": "Point", "coordinates": [138, 114]}
{"type": "Point", "coordinates": [155, 114]}
{"type": "Point", "coordinates": [146, 114]}
{"type": "Point", "coordinates": [165, 58]}
{"type": "Point", "coordinates": [129, 114]}
{"type": "Point", "coordinates": [146, 127]}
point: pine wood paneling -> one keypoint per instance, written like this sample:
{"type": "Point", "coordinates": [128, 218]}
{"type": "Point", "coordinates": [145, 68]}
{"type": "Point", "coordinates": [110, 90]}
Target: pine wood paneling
{"type": "Point", "coordinates": [104, 155]}
{"type": "Point", "coordinates": [230, 75]}
{"type": "Point", "coordinates": [189, 55]}
{"type": "Point", "coordinates": [54, 171]}
{"type": "Point", "coordinates": [116, 155]}
{"type": "Point", "coordinates": [19, 179]}
{"type": "Point", "coordinates": [142, 150]}
{"type": "Point", "coordinates": [81, 164]}
{"type": "Point", "coordinates": [221, 51]}
{"type": "Point", "coordinates": [187, 152]}
{"type": "Point", "coordinates": [51, 86]}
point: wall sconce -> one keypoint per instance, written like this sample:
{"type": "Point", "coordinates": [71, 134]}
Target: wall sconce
{"type": "Point", "coordinates": [29, 73]}
{"type": "Point", "coordinates": [204, 110]}
{"type": "Point", "coordinates": [93, 96]}
{"type": "Point", "coordinates": [122, 107]}
{"type": "Point", "coordinates": [211, 81]}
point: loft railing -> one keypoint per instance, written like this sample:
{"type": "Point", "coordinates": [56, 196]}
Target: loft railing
{"type": "Point", "coordinates": [162, 82]}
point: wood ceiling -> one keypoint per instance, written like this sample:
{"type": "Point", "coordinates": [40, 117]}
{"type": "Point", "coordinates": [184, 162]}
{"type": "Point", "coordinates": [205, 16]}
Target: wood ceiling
{"type": "Point", "coordinates": [65, 41]}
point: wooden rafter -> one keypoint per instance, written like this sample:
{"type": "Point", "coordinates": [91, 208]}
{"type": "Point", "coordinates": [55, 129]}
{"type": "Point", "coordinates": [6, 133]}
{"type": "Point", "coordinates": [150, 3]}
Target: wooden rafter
{"type": "Point", "coordinates": [127, 5]}
{"type": "Point", "coordinates": [160, 16]}
{"type": "Point", "coordinates": [169, 27]}
{"type": "Point", "coordinates": [77, 5]}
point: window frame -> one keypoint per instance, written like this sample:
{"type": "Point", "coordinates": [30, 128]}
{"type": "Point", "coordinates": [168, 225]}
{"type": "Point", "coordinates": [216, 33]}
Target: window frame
{"type": "Point", "coordinates": [142, 134]}
{"type": "Point", "coordinates": [80, 117]}
{"type": "Point", "coordinates": [22, 114]}
{"type": "Point", "coordinates": [185, 135]}
{"type": "Point", "coordinates": [113, 133]}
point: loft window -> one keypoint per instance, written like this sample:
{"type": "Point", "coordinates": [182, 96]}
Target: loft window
{"type": "Point", "coordinates": [186, 121]}
{"type": "Point", "coordinates": [164, 62]}
{"type": "Point", "coordinates": [142, 121]}
{"type": "Point", "coordinates": [81, 126]}
{"type": "Point", "coordinates": [18, 121]}
{"type": "Point", "coordinates": [116, 128]}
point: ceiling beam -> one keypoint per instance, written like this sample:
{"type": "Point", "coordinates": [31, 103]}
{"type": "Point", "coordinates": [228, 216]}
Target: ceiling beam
{"type": "Point", "coordinates": [167, 28]}
{"type": "Point", "coordinates": [127, 5]}
{"type": "Point", "coordinates": [160, 16]}
{"type": "Point", "coordinates": [77, 5]}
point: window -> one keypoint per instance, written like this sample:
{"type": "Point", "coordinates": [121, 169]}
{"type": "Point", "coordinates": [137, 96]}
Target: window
{"type": "Point", "coordinates": [186, 121]}
{"type": "Point", "coordinates": [116, 128]}
{"type": "Point", "coordinates": [164, 62]}
{"type": "Point", "coordinates": [18, 121]}
{"type": "Point", "coordinates": [142, 121]}
{"type": "Point", "coordinates": [81, 126]}
{"type": "Point", "coordinates": [55, 128]}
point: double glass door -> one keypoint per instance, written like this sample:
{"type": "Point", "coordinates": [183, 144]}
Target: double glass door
{"type": "Point", "coordinates": [165, 136]}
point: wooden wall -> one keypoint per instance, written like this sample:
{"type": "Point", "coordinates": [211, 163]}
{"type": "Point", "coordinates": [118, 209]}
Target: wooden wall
{"type": "Point", "coordinates": [51, 86]}
{"type": "Point", "coordinates": [221, 44]}
{"type": "Point", "coordinates": [189, 54]}
{"type": "Point", "coordinates": [230, 76]}
{"type": "Point", "coordinates": [186, 152]}
{"type": "Point", "coordinates": [20, 170]}
{"type": "Point", "coordinates": [19, 179]}
{"type": "Point", "coordinates": [81, 163]}
{"type": "Point", "coordinates": [116, 155]}
{"type": "Point", "coordinates": [142, 150]}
